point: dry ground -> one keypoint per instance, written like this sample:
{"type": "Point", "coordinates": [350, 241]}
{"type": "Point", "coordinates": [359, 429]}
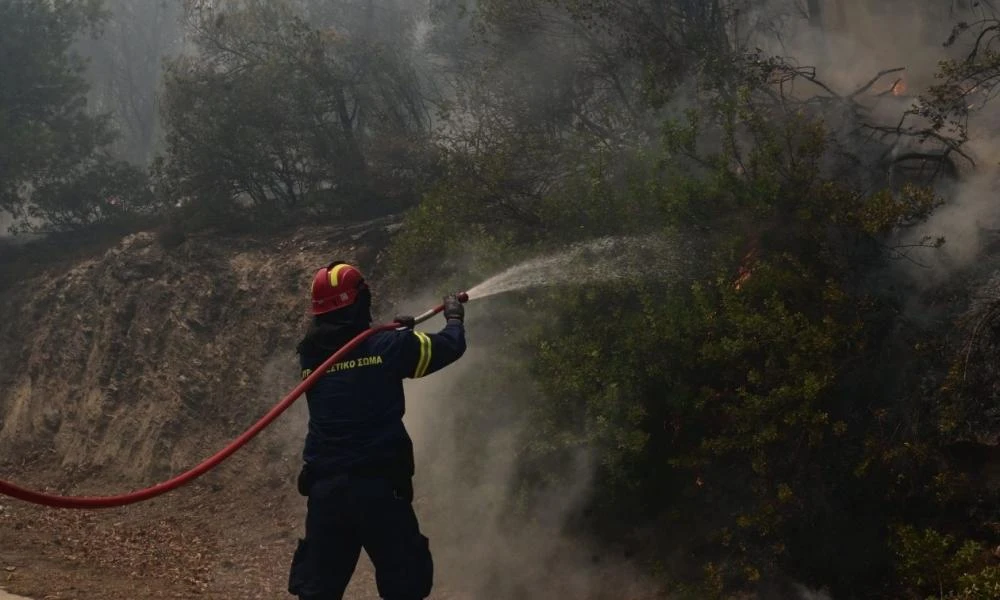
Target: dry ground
{"type": "Point", "coordinates": [193, 543]}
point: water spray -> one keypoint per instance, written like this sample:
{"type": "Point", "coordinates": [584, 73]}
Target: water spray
{"type": "Point", "coordinates": [625, 259]}
{"type": "Point", "coordinates": [91, 502]}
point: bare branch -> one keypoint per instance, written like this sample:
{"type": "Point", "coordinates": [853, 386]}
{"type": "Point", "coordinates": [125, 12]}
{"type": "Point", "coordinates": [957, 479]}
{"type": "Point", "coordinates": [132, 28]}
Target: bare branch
{"type": "Point", "coordinates": [863, 89]}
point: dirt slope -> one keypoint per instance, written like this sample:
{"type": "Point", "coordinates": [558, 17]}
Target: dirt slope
{"type": "Point", "coordinates": [120, 352]}
{"type": "Point", "coordinates": [120, 369]}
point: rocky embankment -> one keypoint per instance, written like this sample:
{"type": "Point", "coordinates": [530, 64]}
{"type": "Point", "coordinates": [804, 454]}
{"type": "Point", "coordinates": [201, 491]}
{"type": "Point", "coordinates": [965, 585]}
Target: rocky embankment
{"type": "Point", "coordinates": [127, 366]}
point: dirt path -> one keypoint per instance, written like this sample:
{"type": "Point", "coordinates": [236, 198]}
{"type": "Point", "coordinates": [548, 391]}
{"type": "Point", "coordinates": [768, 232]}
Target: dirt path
{"type": "Point", "coordinates": [210, 544]}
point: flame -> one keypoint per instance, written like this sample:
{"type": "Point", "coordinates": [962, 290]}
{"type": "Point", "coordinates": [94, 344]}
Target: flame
{"type": "Point", "coordinates": [745, 269]}
{"type": "Point", "coordinates": [899, 88]}
{"type": "Point", "coordinates": [742, 277]}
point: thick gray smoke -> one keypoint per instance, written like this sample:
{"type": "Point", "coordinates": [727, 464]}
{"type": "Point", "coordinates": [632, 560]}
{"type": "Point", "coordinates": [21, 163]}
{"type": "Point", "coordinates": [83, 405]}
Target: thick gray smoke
{"type": "Point", "coordinates": [852, 40]}
{"type": "Point", "coordinates": [850, 43]}
{"type": "Point", "coordinates": [125, 64]}
{"type": "Point", "coordinates": [968, 221]}
{"type": "Point", "coordinates": [808, 594]}
{"type": "Point", "coordinates": [465, 492]}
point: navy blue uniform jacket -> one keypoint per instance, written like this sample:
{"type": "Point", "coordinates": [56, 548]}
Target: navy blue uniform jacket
{"type": "Point", "coordinates": [356, 409]}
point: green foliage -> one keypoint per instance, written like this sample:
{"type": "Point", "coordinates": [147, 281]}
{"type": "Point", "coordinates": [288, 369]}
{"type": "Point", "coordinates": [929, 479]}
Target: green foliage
{"type": "Point", "coordinates": [728, 398]}
{"type": "Point", "coordinates": [490, 193]}
{"type": "Point", "coordinates": [966, 84]}
{"type": "Point", "coordinates": [936, 565]}
{"type": "Point", "coordinates": [100, 190]}
{"type": "Point", "coordinates": [273, 115]}
{"type": "Point", "coordinates": [732, 410]}
{"type": "Point", "coordinates": [54, 172]}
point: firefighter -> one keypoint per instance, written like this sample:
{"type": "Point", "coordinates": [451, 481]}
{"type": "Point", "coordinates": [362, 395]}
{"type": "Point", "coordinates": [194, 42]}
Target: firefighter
{"type": "Point", "coordinates": [358, 457]}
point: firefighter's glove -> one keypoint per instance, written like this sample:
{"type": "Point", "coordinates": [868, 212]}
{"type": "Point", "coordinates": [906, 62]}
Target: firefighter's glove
{"type": "Point", "coordinates": [406, 321]}
{"type": "Point", "coordinates": [453, 309]}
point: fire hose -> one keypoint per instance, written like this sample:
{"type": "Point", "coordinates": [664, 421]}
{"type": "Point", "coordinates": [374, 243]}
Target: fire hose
{"type": "Point", "coordinates": [9, 489]}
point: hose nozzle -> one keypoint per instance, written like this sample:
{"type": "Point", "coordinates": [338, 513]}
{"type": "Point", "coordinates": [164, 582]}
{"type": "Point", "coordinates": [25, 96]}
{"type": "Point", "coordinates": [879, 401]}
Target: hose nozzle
{"type": "Point", "coordinates": [463, 297]}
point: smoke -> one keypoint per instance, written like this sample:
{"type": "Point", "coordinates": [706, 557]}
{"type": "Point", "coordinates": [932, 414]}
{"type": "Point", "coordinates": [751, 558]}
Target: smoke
{"type": "Point", "coordinates": [490, 536]}
{"type": "Point", "coordinates": [968, 221]}
{"type": "Point", "coordinates": [807, 594]}
{"type": "Point", "coordinates": [6, 221]}
{"type": "Point", "coordinates": [852, 41]}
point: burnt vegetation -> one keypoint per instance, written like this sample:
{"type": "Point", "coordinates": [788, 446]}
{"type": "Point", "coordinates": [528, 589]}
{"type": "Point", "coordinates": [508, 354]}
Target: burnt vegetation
{"type": "Point", "coordinates": [805, 411]}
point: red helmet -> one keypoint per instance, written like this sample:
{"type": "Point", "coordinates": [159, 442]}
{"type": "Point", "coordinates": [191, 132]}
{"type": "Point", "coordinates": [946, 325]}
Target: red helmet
{"type": "Point", "coordinates": [335, 287]}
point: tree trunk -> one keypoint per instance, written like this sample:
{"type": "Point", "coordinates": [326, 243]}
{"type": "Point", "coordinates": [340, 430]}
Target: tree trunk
{"type": "Point", "coordinates": [815, 12]}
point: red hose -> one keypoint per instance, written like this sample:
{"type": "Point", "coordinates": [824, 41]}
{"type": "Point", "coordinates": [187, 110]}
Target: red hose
{"type": "Point", "coordinates": [20, 493]}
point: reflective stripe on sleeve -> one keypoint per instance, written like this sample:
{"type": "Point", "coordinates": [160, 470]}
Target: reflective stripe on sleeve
{"type": "Point", "coordinates": [425, 354]}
